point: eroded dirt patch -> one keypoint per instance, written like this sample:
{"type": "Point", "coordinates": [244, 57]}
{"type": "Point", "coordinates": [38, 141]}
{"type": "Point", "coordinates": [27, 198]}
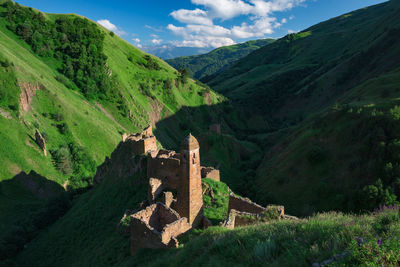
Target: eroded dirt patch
{"type": "Point", "coordinates": [28, 91]}
{"type": "Point", "coordinates": [155, 115]}
{"type": "Point", "coordinates": [5, 114]}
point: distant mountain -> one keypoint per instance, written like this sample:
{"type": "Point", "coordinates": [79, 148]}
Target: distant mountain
{"type": "Point", "coordinates": [203, 66]}
{"type": "Point", "coordinates": [168, 51]}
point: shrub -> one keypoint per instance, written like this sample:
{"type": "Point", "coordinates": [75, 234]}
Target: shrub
{"type": "Point", "coordinates": [62, 159]}
{"type": "Point", "coordinates": [58, 116]}
{"type": "Point", "coordinates": [63, 128]}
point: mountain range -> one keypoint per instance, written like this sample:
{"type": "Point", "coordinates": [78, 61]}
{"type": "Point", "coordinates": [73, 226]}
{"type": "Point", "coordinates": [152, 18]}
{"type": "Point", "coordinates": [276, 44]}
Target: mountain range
{"type": "Point", "coordinates": [309, 121]}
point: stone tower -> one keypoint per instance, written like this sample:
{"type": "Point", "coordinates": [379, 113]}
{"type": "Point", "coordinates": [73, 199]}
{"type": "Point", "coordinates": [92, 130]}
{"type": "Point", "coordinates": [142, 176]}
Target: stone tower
{"type": "Point", "coordinates": [190, 198]}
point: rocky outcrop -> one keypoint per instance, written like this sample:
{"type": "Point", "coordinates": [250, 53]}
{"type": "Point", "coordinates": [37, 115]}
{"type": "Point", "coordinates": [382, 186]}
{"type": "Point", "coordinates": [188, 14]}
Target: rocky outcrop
{"type": "Point", "coordinates": [28, 91]}
{"type": "Point", "coordinates": [40, 141]}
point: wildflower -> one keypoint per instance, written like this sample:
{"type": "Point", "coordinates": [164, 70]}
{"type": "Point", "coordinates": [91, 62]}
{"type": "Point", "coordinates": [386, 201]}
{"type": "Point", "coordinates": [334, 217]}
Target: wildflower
{"type": "Point", "coordinates": [379, 241]}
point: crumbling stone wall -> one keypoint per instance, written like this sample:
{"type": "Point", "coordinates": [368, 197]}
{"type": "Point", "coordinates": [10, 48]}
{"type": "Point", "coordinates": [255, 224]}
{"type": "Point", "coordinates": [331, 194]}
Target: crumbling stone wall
{"type": "Point", "coordinates": [165, 166]}
{"type": "Point", "coordinates": [210, 172]}
{"type": "Point", "coordinates": [168, 199]}
{"type": "Point", "coordinates": [143, 145]}
{"type": "Point", "coordinates": [238, 218]}
{"type": "Point", "coordinates": [156, 226]}
{"type": "Point", "coordinates": [243, 205]}
{"type": "Point", "coordinates": [156, 186]}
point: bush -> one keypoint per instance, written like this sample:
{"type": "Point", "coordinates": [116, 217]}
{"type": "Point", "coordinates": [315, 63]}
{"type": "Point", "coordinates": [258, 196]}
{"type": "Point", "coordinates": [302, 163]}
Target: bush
{"type": "Point", "coordinates": [62, 159]}
{"type": "Point", "coordinates": [58, 116]}
{"type": "Point", "coordinates": [63, 128]}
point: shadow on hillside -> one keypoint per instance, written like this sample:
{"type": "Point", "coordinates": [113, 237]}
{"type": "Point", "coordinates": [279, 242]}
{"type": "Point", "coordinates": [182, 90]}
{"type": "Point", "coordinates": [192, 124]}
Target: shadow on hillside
{"type": "Point", "coordinates": [28, 203]}
{"type": "Point", "coordinates": [230, 151]}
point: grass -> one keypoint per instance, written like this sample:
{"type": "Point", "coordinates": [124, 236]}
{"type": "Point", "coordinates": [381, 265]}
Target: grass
{"type": "Point", "coordinates": [216, 207]}
{"type": "Point", "coordinates": [287, 243]}
{"type": "Point", "coordinates": [88, 235]}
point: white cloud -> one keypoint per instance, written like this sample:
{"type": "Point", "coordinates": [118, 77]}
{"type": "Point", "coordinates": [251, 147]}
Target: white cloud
{"type": "Point", "coordinates": [202, 35]}
{"type": "Point", "coordinates": [260, 28]}
{"type": "Point", "coordinates": [139, 45]}
{"type": "Point", "coordinates": [137, 40]}
{"type": "Point", "coordinates": [291, 31]}
{"type": "Point", "coordinates": [196, 16]}
{"type": "Point", "coordinates": [200, 30]}
{"type": "Point", "coordinates": [153, 28]}
{"type": "Point", "coordinates": [109, 26]}
{"type": "Point", "coordinates": [156, 41]}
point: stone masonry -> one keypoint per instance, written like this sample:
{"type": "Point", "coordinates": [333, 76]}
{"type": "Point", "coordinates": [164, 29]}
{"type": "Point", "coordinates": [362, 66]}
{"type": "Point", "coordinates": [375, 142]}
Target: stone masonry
{"type": "Point", "coordinates": [190, 199]}
{"type": "Point", "coordinates": [210, 172]}
{"type": "Point", "coordinates": [168, 172]}
{"type": "Point", "coordinates": [156, 226]}
{"type": "Point", "coordinates": [243, 205]}
{"type": "Point", "coordinates": [143, 142]}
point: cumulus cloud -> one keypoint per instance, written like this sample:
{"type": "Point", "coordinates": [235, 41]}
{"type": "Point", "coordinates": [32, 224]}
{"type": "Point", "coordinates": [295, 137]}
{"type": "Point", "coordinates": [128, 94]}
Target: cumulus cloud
{"type": "Point", "coordinates": [157, 41]}
{"type": "Point", "coordinates": [109, 26]}
{"type": "Point", "coordinates": [137, 40]}
{"type": "Point", "coordinates": [196, 16]}
{"type": "Point", "coordinates": [202, 35]}
{"type": "Point", "coordinates": [200, 30]}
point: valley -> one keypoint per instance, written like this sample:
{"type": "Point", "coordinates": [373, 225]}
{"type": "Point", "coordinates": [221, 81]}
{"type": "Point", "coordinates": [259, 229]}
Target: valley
{"type": "Point", "coordinates": [309, 122]}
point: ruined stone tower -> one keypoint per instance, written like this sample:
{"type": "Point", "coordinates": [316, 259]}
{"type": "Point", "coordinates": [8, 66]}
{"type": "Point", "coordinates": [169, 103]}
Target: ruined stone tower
{"type": "Point", "coordinates": [190, 198]}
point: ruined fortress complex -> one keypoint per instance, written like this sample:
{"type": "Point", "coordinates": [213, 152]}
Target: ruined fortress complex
{"type": "Point", "coordinates": [175, 197]}
{"type": "Point", "coordinates": [175, 200]}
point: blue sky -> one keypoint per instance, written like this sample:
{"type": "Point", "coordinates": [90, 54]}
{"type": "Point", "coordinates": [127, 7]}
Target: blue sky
{"type": "Point", "coordinates": [201, 23]}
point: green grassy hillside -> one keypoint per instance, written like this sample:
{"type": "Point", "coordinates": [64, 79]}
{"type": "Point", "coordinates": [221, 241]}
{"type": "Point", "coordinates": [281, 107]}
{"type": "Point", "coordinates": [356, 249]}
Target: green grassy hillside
{"type": "Point", "coordinates": [204, 67]}
{"type": "Point", "coordinates": [82, 87]}
{"type": "Point", "coordinates": [144, 90]}
{"type": "Point", "coordinates": [324, 103]}
{"type": "Point", "coordinates": [309, 71]}
{"type": "Point", "coordinates": [87, 235]}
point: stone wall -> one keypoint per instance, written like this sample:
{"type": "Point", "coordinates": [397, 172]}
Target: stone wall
{"type": "Point", "coordinates": [156, 186]}
{"type": "Point", "coordinates": [164, 168]}
{"type": "Point", "coordinates": [238, 218]}
{"type": "Point", "coordinates": [156, 226]}
{"type": "Point", "coordinates": [243, 205]}
{"type": "Point", "coordinates": [210, 172]}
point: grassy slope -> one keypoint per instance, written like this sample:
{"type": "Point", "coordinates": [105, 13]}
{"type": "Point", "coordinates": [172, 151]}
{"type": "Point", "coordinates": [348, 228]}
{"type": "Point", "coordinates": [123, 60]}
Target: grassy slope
{"type": "Point", "coordinates": [87, 235]}
{"type": "Point", "coordinates": [90, 127]}
{"type": "Point", "coordinates": [210, 64]}
{"type": "Point", "coordinates": [307, 72]}
{"type": "Point", "coordinates": [325, 96]}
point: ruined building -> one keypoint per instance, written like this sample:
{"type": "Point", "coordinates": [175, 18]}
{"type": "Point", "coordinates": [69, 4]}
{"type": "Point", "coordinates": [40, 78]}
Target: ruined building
{"type": "Point", "coordinates": [168, 216]}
